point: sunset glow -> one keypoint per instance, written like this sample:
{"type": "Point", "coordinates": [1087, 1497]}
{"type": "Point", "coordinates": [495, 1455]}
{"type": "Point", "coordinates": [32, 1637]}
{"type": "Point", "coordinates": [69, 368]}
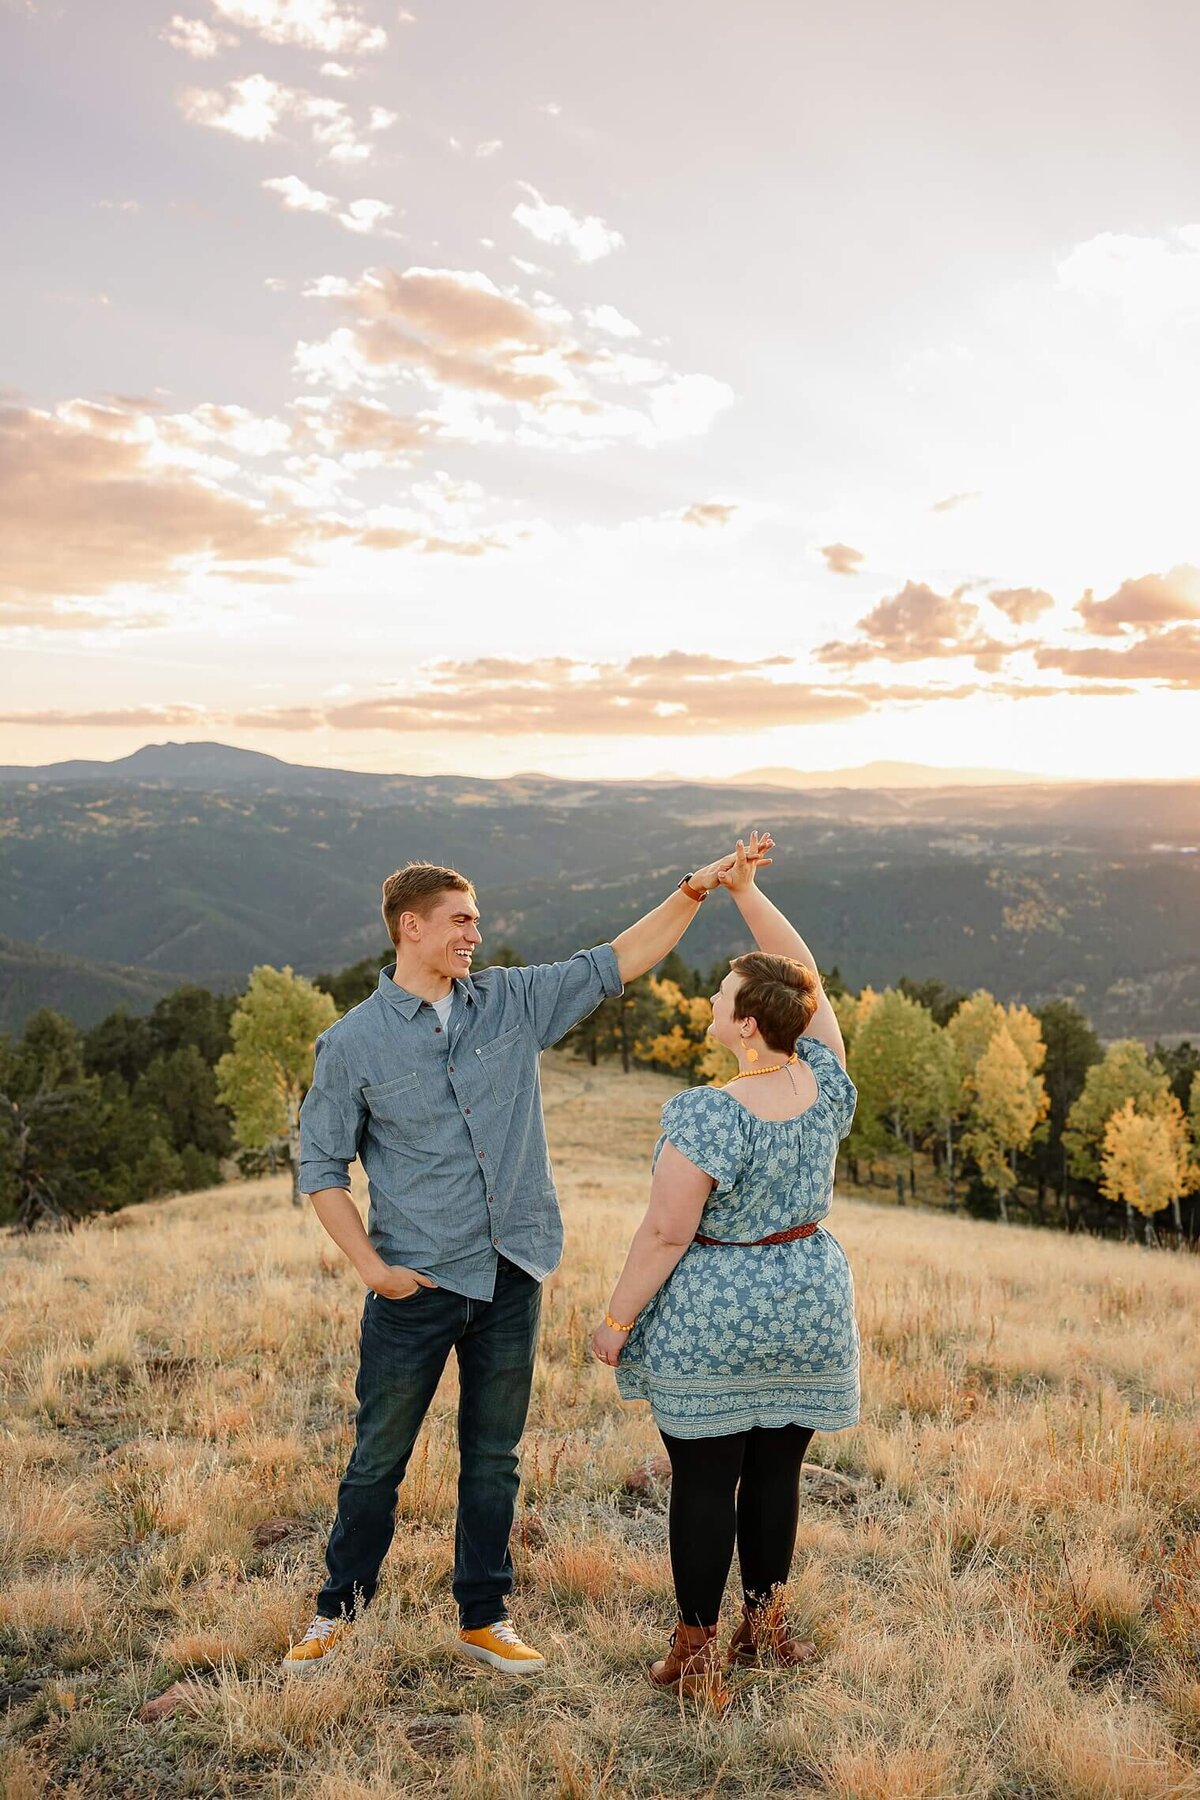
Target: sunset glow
{"type": "Point", "coordinates": [685, 390]}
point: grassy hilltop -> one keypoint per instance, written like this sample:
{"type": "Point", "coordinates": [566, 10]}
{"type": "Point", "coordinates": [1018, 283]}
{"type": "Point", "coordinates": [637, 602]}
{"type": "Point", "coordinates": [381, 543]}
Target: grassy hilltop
{"type": "Point", "coordinates": [1004, 1590]}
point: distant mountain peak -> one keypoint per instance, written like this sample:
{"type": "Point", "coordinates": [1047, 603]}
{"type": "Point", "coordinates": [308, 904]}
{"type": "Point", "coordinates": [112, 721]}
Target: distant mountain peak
{"type": "Point", "coordinates": [200, 758]}
{"type": "Point", "coordinates": [885, 775]}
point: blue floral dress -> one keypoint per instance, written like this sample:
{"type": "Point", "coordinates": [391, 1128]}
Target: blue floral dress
{"type": "Point", "coordinates": [763, 1334]}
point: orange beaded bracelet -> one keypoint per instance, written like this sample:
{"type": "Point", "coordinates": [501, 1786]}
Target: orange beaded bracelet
{"type": "Point", "coordinates": [615, 1324]}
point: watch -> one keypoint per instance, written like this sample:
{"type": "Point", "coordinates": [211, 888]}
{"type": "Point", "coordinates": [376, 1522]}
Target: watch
{"type": "Point", "coordinates": [696, 894]}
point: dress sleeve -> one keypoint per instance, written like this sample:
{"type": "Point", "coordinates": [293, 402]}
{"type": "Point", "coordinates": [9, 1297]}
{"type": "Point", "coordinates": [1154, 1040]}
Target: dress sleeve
{"type": "Point", "coordinates": [707, 1129]}
{"type": "Point", "coordinates": [836, 1087]}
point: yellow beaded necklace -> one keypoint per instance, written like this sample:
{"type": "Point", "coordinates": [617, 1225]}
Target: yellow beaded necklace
{"type": "Point", "coordinates": [745, 1074]}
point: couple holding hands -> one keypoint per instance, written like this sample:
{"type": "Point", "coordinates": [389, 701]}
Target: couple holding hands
{"type": "Point", "coordinates": [733, 1315]}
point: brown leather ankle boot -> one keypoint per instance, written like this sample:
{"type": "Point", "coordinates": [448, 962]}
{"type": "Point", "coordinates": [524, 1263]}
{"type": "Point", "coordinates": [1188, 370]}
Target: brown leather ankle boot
{"type": "Point", "coordinates": [691, 1662]}
{"type": "Point", "coordinates": [763, 1633]}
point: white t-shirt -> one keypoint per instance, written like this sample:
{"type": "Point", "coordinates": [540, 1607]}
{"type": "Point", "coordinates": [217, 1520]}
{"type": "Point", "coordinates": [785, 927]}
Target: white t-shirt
{"type": "Point", "coordinates": [442, 1009]}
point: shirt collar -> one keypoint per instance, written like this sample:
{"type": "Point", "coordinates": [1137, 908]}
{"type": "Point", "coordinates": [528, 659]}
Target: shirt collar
{"type": "Point", "coordinates": [410, 1004]}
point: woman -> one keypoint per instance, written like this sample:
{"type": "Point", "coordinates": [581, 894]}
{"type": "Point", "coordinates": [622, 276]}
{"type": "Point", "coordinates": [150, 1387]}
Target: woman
{"type": "Point", "coordinates": [734, 1313]}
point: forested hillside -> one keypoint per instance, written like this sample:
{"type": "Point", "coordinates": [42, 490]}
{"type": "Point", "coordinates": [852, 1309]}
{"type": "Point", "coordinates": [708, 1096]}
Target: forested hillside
{"type": "Point", "coordinates": [198, 867]}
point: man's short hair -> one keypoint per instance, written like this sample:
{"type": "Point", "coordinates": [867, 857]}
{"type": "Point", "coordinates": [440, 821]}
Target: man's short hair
{"type": "Point", "coordinates": [779, 993]}
{"type": "Point", "coordinates": [415, 888]}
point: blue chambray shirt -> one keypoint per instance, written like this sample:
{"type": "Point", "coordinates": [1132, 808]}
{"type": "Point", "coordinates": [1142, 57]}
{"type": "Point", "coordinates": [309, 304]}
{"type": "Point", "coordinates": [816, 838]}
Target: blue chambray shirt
{"type": "Point", "coordinates": [448, 1124]}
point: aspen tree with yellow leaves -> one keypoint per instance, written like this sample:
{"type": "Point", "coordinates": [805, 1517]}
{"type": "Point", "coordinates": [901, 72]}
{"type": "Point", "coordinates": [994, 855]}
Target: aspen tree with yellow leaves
{"type": "Point", "coordinates": [1007, 1104]}
{"type": "Point", "coordinates": [1125, 1072]}
{"type": "Point", "coordinates": [1145, 1162]}
{"type": "Point", "coordinates": [1000, 1054]}
{"type": "Point", "coordinates": [265, 1076]}
{"type": "Point", "coordinates": [903, 1067]}
{"type": "Point", "coordinates": [681, 1043]}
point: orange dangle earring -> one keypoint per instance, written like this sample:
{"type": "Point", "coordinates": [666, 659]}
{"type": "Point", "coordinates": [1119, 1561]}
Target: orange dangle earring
{"type": "Point", "coordinates": [751, 1054]}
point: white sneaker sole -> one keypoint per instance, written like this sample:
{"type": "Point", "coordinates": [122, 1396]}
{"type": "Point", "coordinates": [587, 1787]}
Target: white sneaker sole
{"type": "Point", "coordinates": [311, 1664]}
{"type": "Point", "coordinates": [504, 1664]}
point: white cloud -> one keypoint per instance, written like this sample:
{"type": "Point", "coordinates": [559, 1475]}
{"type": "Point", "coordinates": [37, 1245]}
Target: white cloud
{"type": "Point", "coordinates": [364, 215]}
{"type": "Point", "coordinates": [337, 71]}
{"type": "Point", "coordinates": [313, 24]}
{"type": "Point", "coordinates": [333, 128]}
{"type": "Point", "coordinates": [253, 107]}
{"type": "Point", "coordinates": [297, 196]}
{"type": "Point", "coordinates": [125, 206]}
{"type": "Point", "coordinates": [489, 147]}
{"type": "Point", "coordinates": [533, 376]}
{"type": "Point", "coordinates": [197, 39]}
{"type": "Point", "coordinates": [686, 405]}
{"type": "Point", "coordinates": [250, 108]}
{"type": "Point", "coordinates": [608, 319]}
{"type": "Point", "coordinates": [590, 237]}
{"type": "Point", "coordinates": [1152, 279]}
{"type": "Point", "coordinates": [360, 216]}
{"type": "Point", "coordinates": [335, 362]}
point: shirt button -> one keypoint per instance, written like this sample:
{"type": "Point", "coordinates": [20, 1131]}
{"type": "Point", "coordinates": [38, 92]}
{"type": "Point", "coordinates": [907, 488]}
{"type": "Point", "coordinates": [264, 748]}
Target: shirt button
{"type": "Point", "coordinates": [452, 1068]}
{"type": "Point", "coordinates": [438, 1030]}
{"type": "Point", "coordinates": [482, 1154]}
{"type": "Point", "coordinates": [466, 1112]}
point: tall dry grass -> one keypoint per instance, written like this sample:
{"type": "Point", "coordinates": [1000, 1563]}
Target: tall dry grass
{"type": "Point", "coordinates": [1011, 1609]}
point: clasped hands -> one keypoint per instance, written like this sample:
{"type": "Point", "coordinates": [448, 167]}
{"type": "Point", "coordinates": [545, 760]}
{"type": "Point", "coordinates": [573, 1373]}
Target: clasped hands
{"type": "Point", "coordinates": [737, 870]}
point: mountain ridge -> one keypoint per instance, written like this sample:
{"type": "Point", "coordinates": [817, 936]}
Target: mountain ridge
{"type": "Point", "coordinates": [197, 865]}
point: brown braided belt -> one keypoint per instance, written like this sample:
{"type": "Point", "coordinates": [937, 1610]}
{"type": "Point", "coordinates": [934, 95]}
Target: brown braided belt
{"type": "Point", "coordinates": [776, 1237]}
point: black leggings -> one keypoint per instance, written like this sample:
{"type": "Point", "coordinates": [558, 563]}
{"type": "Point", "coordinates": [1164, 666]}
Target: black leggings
{"type": "Point", "coordinates": [745, 1486]}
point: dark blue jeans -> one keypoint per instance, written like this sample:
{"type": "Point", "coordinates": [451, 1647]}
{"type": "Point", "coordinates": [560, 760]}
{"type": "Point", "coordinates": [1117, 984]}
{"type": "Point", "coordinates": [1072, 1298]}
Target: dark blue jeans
{"type": "Point", "coordinates": [404, 1348]}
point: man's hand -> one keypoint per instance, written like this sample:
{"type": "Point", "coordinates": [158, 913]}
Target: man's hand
{"type": "Point", "coordinates": [395, 1282]}
{"type": "Point", "coordinates": [737, 872]}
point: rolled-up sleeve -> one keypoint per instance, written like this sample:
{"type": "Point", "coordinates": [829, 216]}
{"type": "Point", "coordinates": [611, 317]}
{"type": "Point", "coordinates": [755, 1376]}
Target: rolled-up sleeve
{"type": "Point", "coordinates": [558, 995]}
{"type": "Point", "coordinates": [331, 1121]}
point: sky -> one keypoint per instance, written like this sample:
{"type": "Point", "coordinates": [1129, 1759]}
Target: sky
{"type": "Point", "coordinates": [603, 391]}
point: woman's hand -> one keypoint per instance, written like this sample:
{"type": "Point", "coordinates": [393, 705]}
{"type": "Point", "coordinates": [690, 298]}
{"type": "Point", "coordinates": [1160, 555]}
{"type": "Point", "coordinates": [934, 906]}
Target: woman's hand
{"type": "Point", "coordinates": [714, 874]}
{"type": "Point", "coordinates": [737, 872]}
{"type": "Point", "coordinates": [608, 1344]}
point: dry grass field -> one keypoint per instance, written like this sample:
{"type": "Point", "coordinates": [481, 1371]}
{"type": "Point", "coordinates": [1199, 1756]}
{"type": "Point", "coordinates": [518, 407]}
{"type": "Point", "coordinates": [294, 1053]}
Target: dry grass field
{"type": "Point", "coordinates": [1007, 1602]}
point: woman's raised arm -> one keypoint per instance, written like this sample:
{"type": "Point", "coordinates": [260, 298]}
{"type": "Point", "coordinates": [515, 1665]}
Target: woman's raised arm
{"type": "Point", "coordinates": [776, 935]}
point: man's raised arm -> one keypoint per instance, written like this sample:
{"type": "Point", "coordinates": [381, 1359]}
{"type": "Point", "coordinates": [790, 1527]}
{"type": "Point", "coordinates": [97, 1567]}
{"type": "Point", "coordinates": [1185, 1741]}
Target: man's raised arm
{"type": "Point", "coordinates": [647, 941]}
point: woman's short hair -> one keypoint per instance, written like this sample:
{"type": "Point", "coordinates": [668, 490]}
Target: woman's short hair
{"type": "Point", "coordinates": [416, 888]}
{"type": "Point", "coordinates": [779, 994]}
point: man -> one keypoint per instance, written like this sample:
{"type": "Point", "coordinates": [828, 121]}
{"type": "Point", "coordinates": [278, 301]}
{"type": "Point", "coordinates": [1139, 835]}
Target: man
{"type": "Point", "coordinates": [434, 1083]}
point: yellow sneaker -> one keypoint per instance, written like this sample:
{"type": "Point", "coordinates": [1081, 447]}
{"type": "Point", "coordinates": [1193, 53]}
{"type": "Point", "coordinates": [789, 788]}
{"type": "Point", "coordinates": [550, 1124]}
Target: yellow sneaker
{"type": "Point", "coordinates": [322, 1640]}
{"type": "Point", "coordinates": [500, 1647]}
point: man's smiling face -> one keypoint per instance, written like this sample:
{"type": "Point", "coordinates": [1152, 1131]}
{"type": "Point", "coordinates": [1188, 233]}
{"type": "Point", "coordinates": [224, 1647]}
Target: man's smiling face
{"type": "Point", "coordinates": [450, 934]}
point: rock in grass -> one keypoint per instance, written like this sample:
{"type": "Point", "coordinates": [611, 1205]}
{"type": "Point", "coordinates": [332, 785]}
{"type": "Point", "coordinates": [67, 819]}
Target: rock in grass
{"type": "Point", "coordinates": [827, 1487]}
{"type": "Point", "coordinates": [273, 1531]}
{"type": "Point", "coordinates": [531, 1531]}
{"type": "Point", "coordinates": [646, 1477]}
{"type": "Point", "coordinates": [181, 1696]}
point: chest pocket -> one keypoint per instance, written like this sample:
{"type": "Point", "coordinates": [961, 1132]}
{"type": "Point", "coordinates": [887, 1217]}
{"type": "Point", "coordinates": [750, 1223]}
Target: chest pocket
{"type": "Point", "coordinates": [509, 1062]}
{"type": "Point", "coordinates": [400, 1109]}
